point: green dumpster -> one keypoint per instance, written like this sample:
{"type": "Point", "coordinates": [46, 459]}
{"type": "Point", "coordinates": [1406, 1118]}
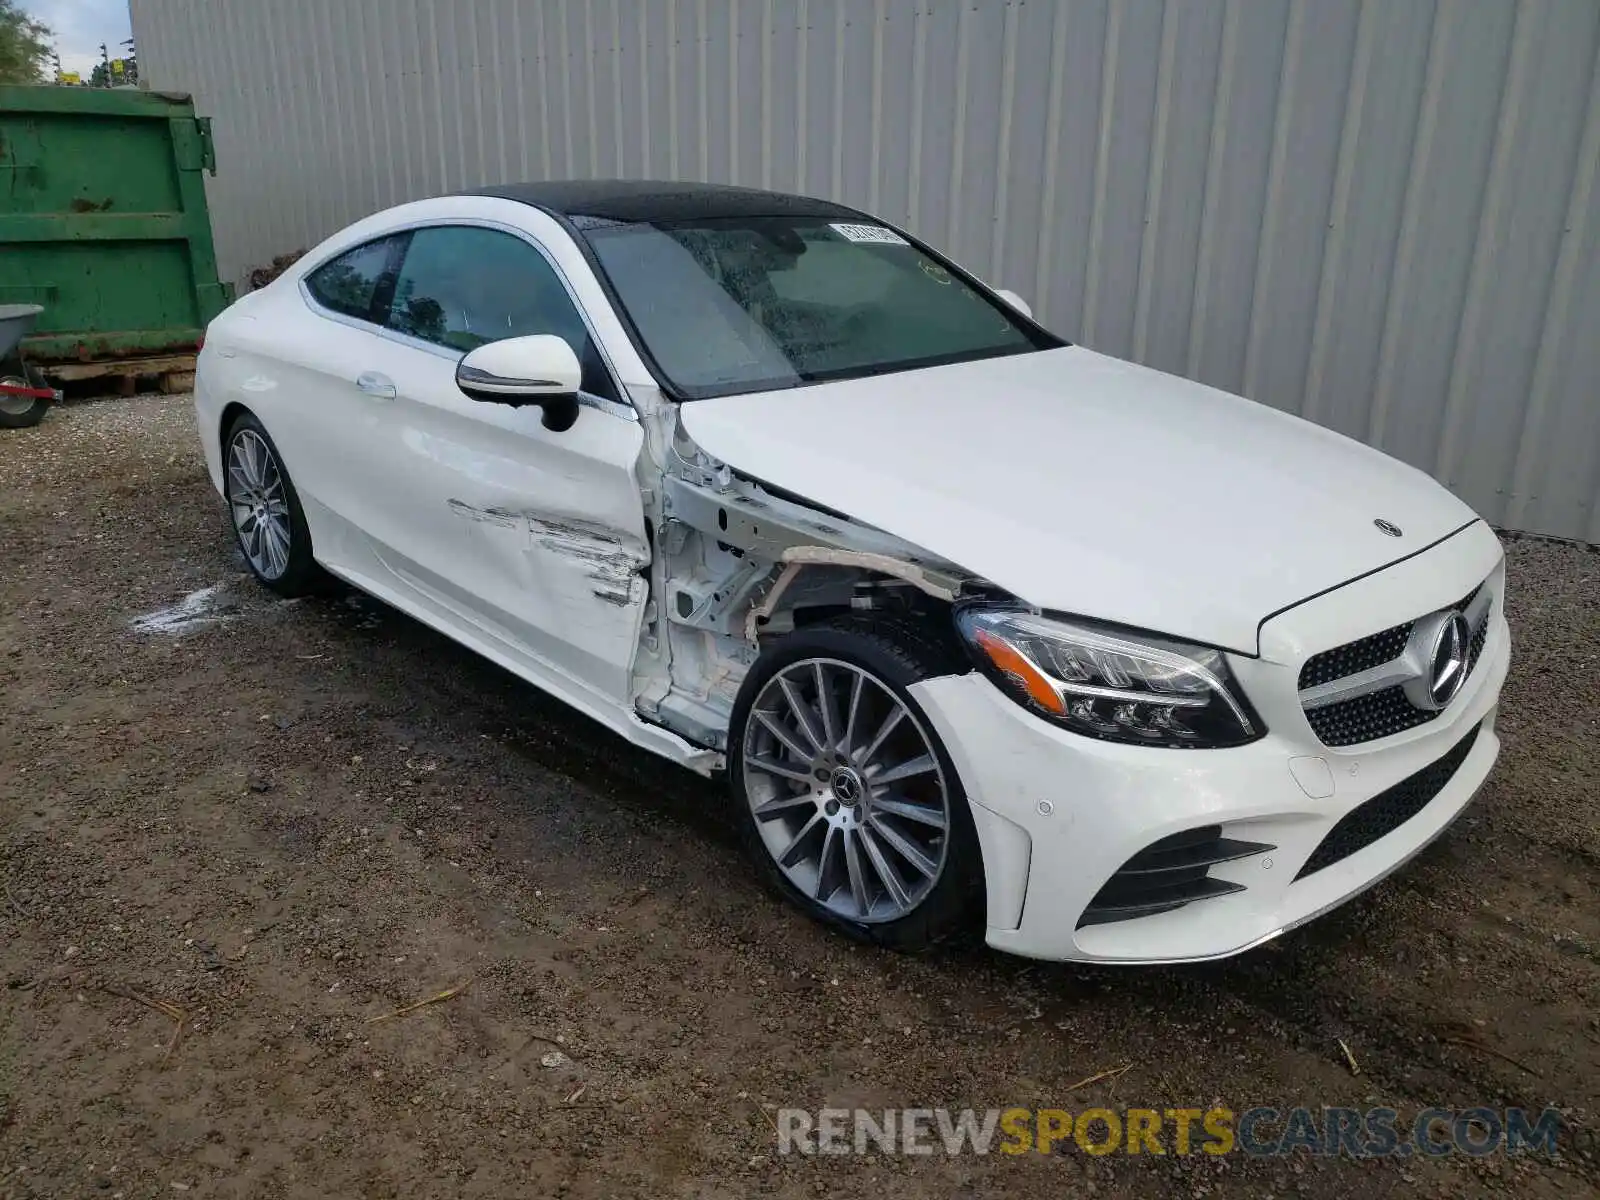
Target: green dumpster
{"type": "Point", "coordinates": [103, 221]}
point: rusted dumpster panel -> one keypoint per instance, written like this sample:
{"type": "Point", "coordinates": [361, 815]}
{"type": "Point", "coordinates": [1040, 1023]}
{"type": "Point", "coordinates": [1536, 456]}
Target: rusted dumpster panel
{"type": "Point", "coordinates": [103, 221]}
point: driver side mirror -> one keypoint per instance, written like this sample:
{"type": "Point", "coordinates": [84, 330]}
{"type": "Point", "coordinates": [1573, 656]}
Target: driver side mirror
{"type": "Point", "coordinates": [1016, 301]}
{"type": "Point", "coordinates": [537, 369]}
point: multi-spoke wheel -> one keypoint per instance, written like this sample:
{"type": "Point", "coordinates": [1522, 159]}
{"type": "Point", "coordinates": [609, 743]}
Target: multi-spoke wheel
{"type": "Point", "coordinates": [260, 512]}
{"type": "Point", "coordinates": [844, 793]}
{"type": "Point", "coordinates": [265, 510]}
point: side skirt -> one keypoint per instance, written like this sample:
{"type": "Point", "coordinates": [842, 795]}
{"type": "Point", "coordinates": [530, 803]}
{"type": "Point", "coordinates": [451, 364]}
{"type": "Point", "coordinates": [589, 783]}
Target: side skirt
{"type": "Point", "coordinates": [618, 720]}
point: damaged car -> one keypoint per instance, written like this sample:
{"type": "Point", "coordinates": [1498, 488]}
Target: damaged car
{"type": "Point", "coordinates": [985, 630]}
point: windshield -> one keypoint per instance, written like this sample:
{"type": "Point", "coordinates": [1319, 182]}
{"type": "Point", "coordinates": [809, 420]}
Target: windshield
{"type": "Point", "coordinates": [753, 303]}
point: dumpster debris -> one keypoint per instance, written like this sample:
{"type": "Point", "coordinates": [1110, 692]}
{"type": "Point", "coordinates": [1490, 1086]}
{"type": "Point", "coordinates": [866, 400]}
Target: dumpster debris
{"type": "Point", "coordinates": [261, 276]}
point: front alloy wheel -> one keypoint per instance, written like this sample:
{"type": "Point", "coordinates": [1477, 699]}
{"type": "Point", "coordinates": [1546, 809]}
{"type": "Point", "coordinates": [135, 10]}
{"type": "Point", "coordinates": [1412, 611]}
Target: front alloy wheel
{"type": "Point", "coordinates": [846, 791]}
{"type": "Point", "coordinates": [845, 795]}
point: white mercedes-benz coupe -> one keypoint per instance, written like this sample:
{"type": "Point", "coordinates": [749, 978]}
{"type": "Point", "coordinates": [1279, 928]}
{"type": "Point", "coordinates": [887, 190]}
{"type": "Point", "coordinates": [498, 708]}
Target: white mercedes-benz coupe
{"type": "Point", "coordinates": [985, 629]}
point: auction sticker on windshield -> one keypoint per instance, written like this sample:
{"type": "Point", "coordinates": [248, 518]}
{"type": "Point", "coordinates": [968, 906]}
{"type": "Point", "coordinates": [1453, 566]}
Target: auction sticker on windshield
{"type": "Point", "coordinates": [868, 233]}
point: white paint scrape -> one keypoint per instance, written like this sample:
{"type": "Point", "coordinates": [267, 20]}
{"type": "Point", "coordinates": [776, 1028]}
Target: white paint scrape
{"type": "Point", "coordinates": [193, 611]}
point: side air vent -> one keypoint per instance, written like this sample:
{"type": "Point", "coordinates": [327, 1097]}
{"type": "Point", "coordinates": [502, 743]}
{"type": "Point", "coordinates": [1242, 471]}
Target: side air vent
{"type": "Point", "coordinates": [1169, 874]}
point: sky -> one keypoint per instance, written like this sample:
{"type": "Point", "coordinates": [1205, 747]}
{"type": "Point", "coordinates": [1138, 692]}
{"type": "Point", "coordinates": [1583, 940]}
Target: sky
{"type": "Point", "coordinates": [80, 26]}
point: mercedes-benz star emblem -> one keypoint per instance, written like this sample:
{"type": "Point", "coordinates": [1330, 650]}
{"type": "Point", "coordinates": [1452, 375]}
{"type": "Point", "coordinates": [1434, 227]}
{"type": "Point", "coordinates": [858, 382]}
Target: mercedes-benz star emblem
{"type": "Point", "coordinates": [846, 786]}
{"type": "Point", "coordinates": [1388, 527]}
{"type": "Point", "coordinates": [1447, 662]}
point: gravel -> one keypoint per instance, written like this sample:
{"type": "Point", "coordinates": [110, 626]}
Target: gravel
{"type": "Point", "coordinates": [281, 820]}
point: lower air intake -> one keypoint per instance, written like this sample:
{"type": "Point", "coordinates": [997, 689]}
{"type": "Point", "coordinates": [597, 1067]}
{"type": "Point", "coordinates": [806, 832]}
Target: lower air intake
{"type": "Point", "coordinates": [1388, 810]}
{"type": "Point", "coordinates": [1169, 874]}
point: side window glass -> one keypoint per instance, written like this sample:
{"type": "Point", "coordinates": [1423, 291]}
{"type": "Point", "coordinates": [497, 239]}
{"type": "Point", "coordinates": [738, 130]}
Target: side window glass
{"type": "Point", "coordinates": [463, 286]}
{"type": "Point", "coordinates": [348, 284]}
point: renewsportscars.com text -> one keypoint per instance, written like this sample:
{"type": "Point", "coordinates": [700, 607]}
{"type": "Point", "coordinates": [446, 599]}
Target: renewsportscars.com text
{"type": "Point", "coordinates": [1324, 1132]}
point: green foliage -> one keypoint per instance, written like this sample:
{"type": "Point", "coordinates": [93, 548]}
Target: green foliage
{"type": "Point", "coordinates": [115, 72]}
{"type": "Point", "coordinates": [24, 46]}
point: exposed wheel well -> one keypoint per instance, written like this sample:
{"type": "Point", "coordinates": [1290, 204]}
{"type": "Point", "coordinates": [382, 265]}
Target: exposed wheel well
{"type": "Point", "coordinates": [823, 592]}
{"type": "Point", "coordinates": [230, 413]}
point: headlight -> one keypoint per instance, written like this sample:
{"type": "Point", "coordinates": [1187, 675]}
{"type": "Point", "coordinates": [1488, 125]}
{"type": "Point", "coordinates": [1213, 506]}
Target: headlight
{"type": "Point", "coordinates": [1108, 683]}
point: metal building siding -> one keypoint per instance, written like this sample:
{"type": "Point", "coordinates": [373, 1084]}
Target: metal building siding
{"type": "Point", "coordinates": [1380, 215]}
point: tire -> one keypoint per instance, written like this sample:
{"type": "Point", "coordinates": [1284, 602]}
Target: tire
{"type": "Point", "coordinates": [264, 509]}
{"type": "Point", "coordinates": [888, 654]}
{"type": "Point", "coordinates": [21, 412]}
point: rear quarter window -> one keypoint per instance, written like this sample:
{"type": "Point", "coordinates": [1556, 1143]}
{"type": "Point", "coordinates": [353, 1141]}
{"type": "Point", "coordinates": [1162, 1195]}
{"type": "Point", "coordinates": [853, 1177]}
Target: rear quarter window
{"type": "Point", "coordinates": [350, 282]}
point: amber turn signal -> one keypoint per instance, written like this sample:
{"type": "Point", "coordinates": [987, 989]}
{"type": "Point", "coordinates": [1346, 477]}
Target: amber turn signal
{"type": "Point", "coordinates": [1009, 660]}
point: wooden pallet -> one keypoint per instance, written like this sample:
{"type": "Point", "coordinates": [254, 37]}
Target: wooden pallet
{"type": "Point", "coordinates": [175, 372]}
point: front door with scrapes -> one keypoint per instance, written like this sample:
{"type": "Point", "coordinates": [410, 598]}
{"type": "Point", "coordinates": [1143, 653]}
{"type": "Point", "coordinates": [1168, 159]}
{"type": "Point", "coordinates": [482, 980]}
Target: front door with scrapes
{"type": "Point", "coordinates": [534, 537]}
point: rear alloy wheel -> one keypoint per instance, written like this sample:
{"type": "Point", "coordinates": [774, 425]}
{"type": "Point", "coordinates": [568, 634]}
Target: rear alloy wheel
{"type": "Point", "coordinates": [844, 794]}
{"type": "Point", "coordinates": [266, 513]}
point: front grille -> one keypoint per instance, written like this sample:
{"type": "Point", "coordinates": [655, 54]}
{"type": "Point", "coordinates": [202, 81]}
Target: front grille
{"type": "Point", "coordinates": [1479, 636]}
{"type": "Point", "coordinates": [1388, 810]}
{"type": "Point", "coordinates": [1360, 655]}
{"type": "Point", "coordinates": [1385, 712]}
{"type": "Point", "coordinates": [1367, 718]}
{"type": "Point", "coordinates": [1169, 874]}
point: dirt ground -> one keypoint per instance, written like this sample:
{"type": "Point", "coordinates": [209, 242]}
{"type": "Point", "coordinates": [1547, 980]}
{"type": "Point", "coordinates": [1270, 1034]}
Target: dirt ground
{"type": "Point", "coordinates": [285, 819]}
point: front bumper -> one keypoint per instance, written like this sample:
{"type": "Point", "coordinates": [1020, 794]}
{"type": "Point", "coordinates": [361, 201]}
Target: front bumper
{"type": "Point", "coordinates": [1057, 814]}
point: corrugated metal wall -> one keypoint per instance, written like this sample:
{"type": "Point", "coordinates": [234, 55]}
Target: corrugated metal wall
{"type": "Point", "coordinates": [1379, 213]}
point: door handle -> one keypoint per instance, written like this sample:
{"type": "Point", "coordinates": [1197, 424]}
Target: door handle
{"type": "Point", "coordinates": [379, 386]}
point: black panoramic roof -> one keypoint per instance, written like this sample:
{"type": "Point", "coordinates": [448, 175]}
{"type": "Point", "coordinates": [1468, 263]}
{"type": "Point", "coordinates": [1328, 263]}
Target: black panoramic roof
{"type": "Point", "coordinates": [653, 200]}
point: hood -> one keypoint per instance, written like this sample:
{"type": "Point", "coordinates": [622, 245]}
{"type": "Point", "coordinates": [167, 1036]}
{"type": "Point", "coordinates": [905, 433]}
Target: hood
{"type": "Point", "coordinates": [1089, 485]}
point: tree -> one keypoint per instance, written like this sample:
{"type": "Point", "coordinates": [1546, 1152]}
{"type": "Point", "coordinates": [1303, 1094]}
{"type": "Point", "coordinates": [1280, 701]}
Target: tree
{"type": "Point", "coordinates": [24, 46]}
